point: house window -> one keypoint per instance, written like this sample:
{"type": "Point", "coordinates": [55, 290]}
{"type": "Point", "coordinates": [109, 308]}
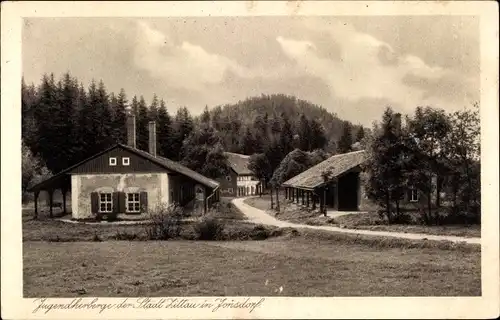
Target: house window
{"type": "Point", "coordinates": [125, 161]}
{"type": "Point", "coordinates": [112, 161]}
{"type": "Point", "coordinates": [414, 196]}
{"type": "Point", "coordinates": [230, 190]}
{"type": "Point", "coordinates": [133, 202]}
{"type": "Point", "coordinates": [228, 178]}
{"type": "Point", "coordinates": [105, 202]}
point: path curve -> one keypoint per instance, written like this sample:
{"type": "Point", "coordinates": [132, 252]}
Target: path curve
{"type": "Point", "coordinates": [261, 217]}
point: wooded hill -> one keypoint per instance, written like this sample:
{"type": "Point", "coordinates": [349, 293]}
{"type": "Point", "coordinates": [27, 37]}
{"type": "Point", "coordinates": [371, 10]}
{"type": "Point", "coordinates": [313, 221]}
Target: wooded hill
{"type": "Point", "coordinates": [247, 112]}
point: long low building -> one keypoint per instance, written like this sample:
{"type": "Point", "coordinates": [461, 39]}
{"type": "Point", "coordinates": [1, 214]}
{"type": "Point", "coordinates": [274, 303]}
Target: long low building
{"type": "Point", "coordinates": [333, 183]}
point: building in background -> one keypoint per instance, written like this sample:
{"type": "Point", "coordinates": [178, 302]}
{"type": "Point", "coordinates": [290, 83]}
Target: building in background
{"type": "Point", "coordinates": [240, 181]}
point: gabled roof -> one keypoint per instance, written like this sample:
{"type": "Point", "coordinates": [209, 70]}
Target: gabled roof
{"type": "Point", "coordinates": [335, 165]}
{"type": "Point", "coordinates": [174, 166]}
{"type": "Point", "coordinates": [163, 162]}
{"type": "Point", "coordinates": [239, 163]}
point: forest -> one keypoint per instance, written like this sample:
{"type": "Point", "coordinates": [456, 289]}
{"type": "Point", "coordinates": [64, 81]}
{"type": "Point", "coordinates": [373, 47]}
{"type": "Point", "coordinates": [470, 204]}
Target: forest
{"type": "Point", "coordinates": [432, 151]}
{"type": "Point", "coordinates": [65, 122]}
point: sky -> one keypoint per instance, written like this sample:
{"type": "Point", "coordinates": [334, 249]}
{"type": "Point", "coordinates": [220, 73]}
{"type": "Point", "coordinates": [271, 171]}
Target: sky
{"type": "Point", "coordinates": [354, 66]}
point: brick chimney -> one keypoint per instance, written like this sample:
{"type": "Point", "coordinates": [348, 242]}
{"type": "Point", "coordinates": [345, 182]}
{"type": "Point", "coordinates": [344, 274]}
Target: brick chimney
{"type": "Point", "coordinates": [152, 138]}
{"type": "Point", "coordinates": [131, 129]}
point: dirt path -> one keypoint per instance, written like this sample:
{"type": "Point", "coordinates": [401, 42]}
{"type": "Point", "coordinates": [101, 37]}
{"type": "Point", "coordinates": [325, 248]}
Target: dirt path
{"type": "Point", "coordinates": [261, 217]}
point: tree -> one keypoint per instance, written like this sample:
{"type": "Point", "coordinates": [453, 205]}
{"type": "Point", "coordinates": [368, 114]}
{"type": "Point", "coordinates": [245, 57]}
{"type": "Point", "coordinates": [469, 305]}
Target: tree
{"type": "Point", "coordinates": [120, 118]}
{"type": "Point", "coordinates": [29, 97]}
{"type": "Point", "coordinates": [385, 183]}
{"type": "Point", "coordinates": [164, 132]}
{"type": "Point", "coordinates": [360, 134]}
{"type": "Point", "coordinates": [305, 134]}
{"type": "Point", "coordinates": [345, 142]}
{"type": "Point", "coordinates": [202, 152]}
{"type": "Point", "coordinates": [249, 145]}
{"type": "Point", "coordinates": [205, 116]}
{"type": "Point", "coordinates": [426, 145]}
{"type": "Point", "coordinates": [183, 127]}
{"type": "Point", "coordinates": [260, 167]}
{"type": "Point", "coordinates": [462, 154]}
{"type": "Point", "coordinates": [318, 139]}
{"type": "Point", "coordinates": [33, 170]}
{"type": "Point", "coordinates": [295, 163]}
{"type": "Point", "coordinates": [142, 120]}
{"type": "Point", "coordinates": [153, 109]}
{"type": "Point", "coordinates": [286, 135]}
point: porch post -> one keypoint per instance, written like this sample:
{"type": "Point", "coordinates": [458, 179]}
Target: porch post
{"type": "Point", "coordinates": [64, 191]}
{"type": "Point", "coordinates": [313, 201]}
{"type": "Point", "coordinates": [307, 198]}
{"type": "Point", "coordinates": [321, 204]}
{"type": "Point", "coordinates": [336, 196]}
{"type": "Point", "coordinates": [37, 193]}
{"type": "Point", "coordinates": [359, 192]}
{"type": "Point", "coordinates": [324, 201]}
{"type": "Point", "coordinates": [51, 201]}
{"type": "Point", "coordinates": [205, 205]}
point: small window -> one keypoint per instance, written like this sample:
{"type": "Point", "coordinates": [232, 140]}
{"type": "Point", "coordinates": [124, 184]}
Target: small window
{"type": "Point", "coordinates": [228, 178]}
{"type": "Point", "coordinates": [112, 161]}
{"type": "Point", "coordinates": [125, 161]}
{"type": "Point", "coordinates": [105, 202]}
{"type": "Point", "coordinates": [133, 203]}
{"type": "Point", "coordinates": [414, 195]}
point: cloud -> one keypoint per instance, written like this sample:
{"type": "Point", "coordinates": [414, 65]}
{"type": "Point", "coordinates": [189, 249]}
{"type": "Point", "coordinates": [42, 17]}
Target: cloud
{"type": "Point", "coordinates": [369, 69]}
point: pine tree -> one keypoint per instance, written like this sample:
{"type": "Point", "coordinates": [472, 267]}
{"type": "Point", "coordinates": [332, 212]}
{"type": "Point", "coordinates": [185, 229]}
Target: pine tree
{"type": "Point", "coordinates": [205, 116]}
{"type": "Point", "coordinates": [305, 134]}
{"type": "Point", "coordinates": [164, 132]}
{"type": "Point", "coordinates": [105, 118]}
{"type": "Point", "coordinates": [345, 142]}
{"type": "Point", "coordinates": [29, 97]}
{"type": "Point", "coordinates": [249, 145]}
{"type": "Point", "coordinates": [68, 119]}
{"type": "Point", "coordinates": [184, 125]}
{"type": "Point", "coordinates": [142, 120]}
{"type": "Point", "coordinates": [120, 118]}
{"type": "Point", "coordinates": [286, 135]}
{"type": "Point", "coordinates": [360, 135]}
{"type": "Point", "coordinates": [47, 117]}
{"type": "Point", "coordinates": [153, 109]}
{"type": "Point", "coordinates": [318, 139]}
{"type": "Point", "coordinates": [202, 152]}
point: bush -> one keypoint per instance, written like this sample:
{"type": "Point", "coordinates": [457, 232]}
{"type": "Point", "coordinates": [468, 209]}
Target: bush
{"type": "Point", "coordinates": [166, 223]}
{"type": "Point", "coordinates": [209, 228]}
{"type": "Point", "coordinates": [125, 236]}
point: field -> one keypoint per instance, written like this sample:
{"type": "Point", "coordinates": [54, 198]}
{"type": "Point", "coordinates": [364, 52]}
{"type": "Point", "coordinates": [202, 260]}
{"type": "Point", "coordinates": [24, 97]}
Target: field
{"type": "Point", "coordinates": [84, 260]}
{"type": "Point", "coordinates": [366, 221]}
{"type": "Point", "coordinates": [137, 268]}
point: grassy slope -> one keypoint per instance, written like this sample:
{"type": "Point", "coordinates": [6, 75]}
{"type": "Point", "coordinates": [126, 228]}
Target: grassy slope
{"type": "Point", "coordinates": [303, 267]}
{"type": "Point", "coordinates": [367, 221]}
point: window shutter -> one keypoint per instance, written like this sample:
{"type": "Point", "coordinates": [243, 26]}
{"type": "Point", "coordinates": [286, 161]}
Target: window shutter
{"type": "Point", "coordinates": [116, 208]}
{"type": "Point", "coordinates": [94, 202]}
{"type": "Point", "coordinates": [121, 202]}
{"type": "Point", "coordinates": [144, 201]}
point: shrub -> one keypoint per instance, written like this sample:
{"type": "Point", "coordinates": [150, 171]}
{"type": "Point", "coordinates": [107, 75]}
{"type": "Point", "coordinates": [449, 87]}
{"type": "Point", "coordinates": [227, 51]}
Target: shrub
{"type": "Point", "coordinates": [96, 238]}
{"type": "Point", "coordinates": [166, 223]}
{"type": "Point", "coordinates": [260, 232]}
{"type": "Point", "coordinates": [209, 228]}
{"type": "Point", "coordinates": [125, 236]}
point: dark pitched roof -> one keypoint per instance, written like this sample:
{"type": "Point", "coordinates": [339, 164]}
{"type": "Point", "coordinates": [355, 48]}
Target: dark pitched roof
{"type": "Point", "coordinates": [336, 165]}
{"type": "Point", "coordinates": [239, 163]}
{"type": "Point", "coordinates": [164, 162]}
{"type": "Point", "coordinates": [174, 166]}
